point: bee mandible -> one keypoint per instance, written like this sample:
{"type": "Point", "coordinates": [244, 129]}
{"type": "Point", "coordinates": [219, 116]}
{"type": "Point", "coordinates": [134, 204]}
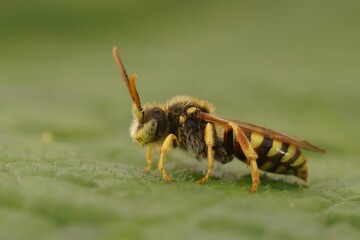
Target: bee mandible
{"type": "Point", "coordinates": [191, 125]}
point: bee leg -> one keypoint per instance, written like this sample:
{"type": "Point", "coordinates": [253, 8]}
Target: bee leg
{"type": "Point", "coordinates": [148, 160]}
{"type": "Point", "coordinates": [251, 155]}
{"type": "Point", "coordinates": [209, 140]}
{"type": "Point", "coordinates": [168, 142]}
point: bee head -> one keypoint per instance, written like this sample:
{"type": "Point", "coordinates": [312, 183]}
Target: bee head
{"type": "Point", "coordinates": [151, 127]}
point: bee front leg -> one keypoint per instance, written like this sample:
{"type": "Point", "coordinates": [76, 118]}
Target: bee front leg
{"type": "Point", "coordinates": [209, 140]}
{"type": "Point", "coordinates": [251, 155]}
{"type": "Point", "coordinates": [148, 160]}
{"type": "Point", "coordinates": [168, 142]}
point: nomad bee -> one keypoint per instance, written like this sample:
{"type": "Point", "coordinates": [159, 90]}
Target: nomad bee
{"type": "Point", "coordinates": [190, 124]}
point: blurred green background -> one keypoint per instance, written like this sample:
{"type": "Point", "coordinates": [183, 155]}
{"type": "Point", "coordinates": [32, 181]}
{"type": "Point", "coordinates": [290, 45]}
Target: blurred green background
{"type": "Point", "coordinates": [68, 168]}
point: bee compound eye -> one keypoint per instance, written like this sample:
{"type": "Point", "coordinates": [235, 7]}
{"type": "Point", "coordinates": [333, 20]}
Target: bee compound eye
{"type": "Point", "coordinates": [158, 111]}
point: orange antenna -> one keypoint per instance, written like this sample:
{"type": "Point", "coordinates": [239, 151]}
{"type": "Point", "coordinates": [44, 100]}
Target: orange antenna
{"type": "Point", "coordinates": [130, 83]}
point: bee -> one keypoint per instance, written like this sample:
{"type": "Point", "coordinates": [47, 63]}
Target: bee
{"type": "Point", "coordinates": [191, 125]}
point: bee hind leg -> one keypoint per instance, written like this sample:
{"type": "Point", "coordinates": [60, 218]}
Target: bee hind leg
{"type": "Point", "coordinates": [168, 142]}
{"type": "Point", "coordinates": [249, 152]}
{"type": "Point", "coordinates": [209, 140]}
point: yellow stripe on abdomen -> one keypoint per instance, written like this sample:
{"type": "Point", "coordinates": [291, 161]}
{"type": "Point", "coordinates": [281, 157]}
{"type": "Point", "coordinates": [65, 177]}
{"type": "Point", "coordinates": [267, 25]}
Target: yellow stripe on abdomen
{"type": "Point", "coordinates": [280, 169]}
{"type": "Point", "coordinates": [276, 147]}
{"type": "Point", "coordinates": [256, 139]}
{"type": "Point", "coordinates": [289, 154]}
{"type": "Point", "coordinates": [300, 160]}
{"type": "Point", "coordinates": [304, 168]}
{"type": "Point", "coordinates": [266, 166]}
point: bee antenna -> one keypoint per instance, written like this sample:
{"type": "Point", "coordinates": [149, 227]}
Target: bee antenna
{"type": "Point", "coordinates": [130, 82]}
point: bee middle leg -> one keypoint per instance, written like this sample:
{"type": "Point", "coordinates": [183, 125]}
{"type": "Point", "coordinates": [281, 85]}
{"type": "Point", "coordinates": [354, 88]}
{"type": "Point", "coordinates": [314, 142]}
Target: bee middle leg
{"type": "Point", "coordinates": [209, 141]}
{"type": "Point", "coordinates": [168, 142]}
{"type": "Point", "coordinates": [249, 152]}
{"type": "Point", "coordinates": [148, 160]}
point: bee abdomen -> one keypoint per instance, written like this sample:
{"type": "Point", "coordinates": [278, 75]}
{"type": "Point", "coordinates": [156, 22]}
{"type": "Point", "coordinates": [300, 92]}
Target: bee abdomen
{"type": "Point", "coordinates": [275, 156]}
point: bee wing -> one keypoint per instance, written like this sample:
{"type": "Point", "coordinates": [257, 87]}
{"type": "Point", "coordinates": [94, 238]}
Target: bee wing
{"type": "Point", "coordinates": [263, 131]}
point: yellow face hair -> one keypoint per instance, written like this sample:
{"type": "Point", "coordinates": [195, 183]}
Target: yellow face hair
{"type": "Point", "coordinates": [146, 134]}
